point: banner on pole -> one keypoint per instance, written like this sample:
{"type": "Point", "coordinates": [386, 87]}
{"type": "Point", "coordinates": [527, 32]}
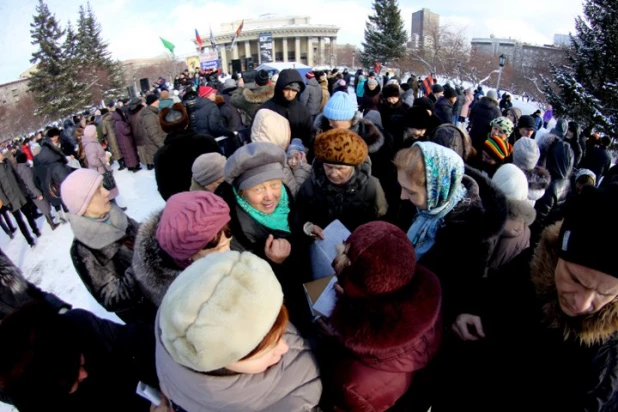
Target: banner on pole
{"type": "Point", "coordinates": [266, 47]}
{"type": "Point", "coordinates": [209, 59]}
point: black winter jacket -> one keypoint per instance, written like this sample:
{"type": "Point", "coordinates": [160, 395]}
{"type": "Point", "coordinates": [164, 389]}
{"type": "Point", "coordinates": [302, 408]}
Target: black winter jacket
{"type": "Point", "coordinates": [50, 169]}
{"type": "Point", "coordinates": [205, 118]}
{"type": "Point", "coordinates": [444, 110]}
{"type": "Point", "coordinates": [481, 116]}
{"type": "Point", "coordinates": [174, 160]}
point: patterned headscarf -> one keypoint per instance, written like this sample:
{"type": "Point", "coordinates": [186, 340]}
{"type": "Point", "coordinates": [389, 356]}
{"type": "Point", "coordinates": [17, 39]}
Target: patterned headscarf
{"type": "Point", "coordinates": [444, 170]}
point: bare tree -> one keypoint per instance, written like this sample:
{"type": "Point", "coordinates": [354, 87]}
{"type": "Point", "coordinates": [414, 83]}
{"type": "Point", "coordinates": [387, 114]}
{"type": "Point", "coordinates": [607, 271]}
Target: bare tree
{"type": "Point", "coordinates": [347, 55]}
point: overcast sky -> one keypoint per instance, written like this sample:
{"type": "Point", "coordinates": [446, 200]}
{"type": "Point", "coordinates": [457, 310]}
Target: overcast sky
{"type": "Point", "coordinates": [133, 27]}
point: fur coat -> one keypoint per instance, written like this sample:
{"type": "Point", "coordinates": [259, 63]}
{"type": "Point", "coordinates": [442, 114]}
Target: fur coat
{"type": "Point", "coordinates": [249, 100]}
{"type": "Point", "coordinates": [154, 269]}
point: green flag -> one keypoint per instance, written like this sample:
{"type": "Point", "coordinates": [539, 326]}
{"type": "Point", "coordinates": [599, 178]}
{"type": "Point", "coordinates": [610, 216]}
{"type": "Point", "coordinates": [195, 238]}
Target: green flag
{"type": "Point", "coordinates": [169, 46]}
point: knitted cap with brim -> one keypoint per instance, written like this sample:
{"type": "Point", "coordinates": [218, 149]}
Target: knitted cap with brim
{"type": "Point", "coordinates": [340, 147]}
{"type": "Point", "coordinates": [498, 148]}
{"type": "Point", "coordinates": [78, 189]}
{"type": "Point", "coordinates": [254, 164]}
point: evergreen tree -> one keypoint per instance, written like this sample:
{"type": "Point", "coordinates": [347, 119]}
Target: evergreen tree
{"type": "Point", "coordinates": [385, 35]}
{"type": "Point", "coordinates": [96, 68]}
{"type": "Point", "coordinates": [46, 83]}
{"type": "Point", "coordinates": [586, 88]}
{"type": "Point", "coordinates": [74, 87]}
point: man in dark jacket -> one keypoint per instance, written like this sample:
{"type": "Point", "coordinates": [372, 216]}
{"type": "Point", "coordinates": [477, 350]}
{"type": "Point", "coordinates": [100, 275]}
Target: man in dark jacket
{"type": "Point", "coordinates": [173, 162]}
{"type": "Point", "coordinates": [230, 116]}
{"type": "Point", "coordinates": [393, 109]}
{"type": "Point", "coordinates": [312, 96]}
{"type": "Point", "coordinates": [13, 197]}
{"type": "Point", "coordinates": [74, 361]}
{"type": "Point", "coordinates": [208, 116]}
{"type": "Point", "coordinates": [437, 91]}
{"type": "Point", "coordinates": [134, 108]}
{"type": "Point", "coordinates": [545, 337]}
{"type": "Point", "coordinates": [444, 105]}
{"type": "Point", "coordinates": [50, 169]}
{"type": "Point", "coordinates": [285, 102]}
{"type": "Point", "coordinates": [597, 158]}
{"type": "Point", "coordinates": [481, 116]}
{"type": "Point", "coordinates": [249, 100]}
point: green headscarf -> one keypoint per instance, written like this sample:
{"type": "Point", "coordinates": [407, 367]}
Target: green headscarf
{"type": "Point", "coordinates": [277, 220]}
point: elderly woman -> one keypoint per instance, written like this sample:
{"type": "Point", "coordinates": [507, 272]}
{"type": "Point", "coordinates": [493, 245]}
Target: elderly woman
{"type": "Point", "coordinates": [456, 220]}
{"type": "Point", "coordinates": [224, 343]}
{"type": "Point", "coordinates": [102, 250]}
{"type": "Point", "coordinates": [341, 185]}
{"type": "Point", "coordinates": [191, 226]}
{"type": "Point", "coordinates": [95, 155]}
{"type": "Point", "coordinates": [386, 321]}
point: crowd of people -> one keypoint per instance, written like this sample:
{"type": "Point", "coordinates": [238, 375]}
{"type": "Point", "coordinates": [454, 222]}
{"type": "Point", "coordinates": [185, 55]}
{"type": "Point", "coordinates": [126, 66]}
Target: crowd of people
{"type": "Point", "coordinates": [478, 274]}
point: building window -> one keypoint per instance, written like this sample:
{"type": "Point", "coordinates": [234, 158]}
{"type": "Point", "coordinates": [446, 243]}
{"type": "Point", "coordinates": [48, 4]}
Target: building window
{"type": "Point", "coordinates": [279, 56]}
{"type": "Point", "coordinates": [291, 56]}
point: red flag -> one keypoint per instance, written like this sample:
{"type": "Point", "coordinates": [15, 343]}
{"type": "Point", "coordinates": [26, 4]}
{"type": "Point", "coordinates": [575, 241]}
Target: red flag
{"type": "Point", "coordinates": [377, 68]}
{"type": "Point", "coordinates": [242, 23]}
{"type": "Point", "coordinates": [198, 39]}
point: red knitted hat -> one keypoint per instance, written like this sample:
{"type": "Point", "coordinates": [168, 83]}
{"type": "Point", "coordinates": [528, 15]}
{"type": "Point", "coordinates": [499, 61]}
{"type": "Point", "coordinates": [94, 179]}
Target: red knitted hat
{"type": "Point", "coordinates": [205, 91]}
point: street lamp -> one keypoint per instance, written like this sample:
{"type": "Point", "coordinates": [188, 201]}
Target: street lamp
{"type": "Point", "coordinates": [502, 61]}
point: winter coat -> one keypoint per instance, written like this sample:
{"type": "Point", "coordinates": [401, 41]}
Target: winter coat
{"type": "Point", "coordinates": [208, 119]}
{"type": "Point", "coordinates": [458, 105]}
{"type": "Point", "coordinates": [109, 132]}
{"type": "Point", "coordinates": [408, 97]}
{"type": "Point", "coordinates": [139, 133]}
{"type": "Point", "coordinates": [230, 117]}
{"type": "Point", "coordinates": [383, 343]}
{"type": "Point", "coordinates": [294, 179]}
{"type": "Point", "coordinates": [325, 93]}
{"type": "Point", "coordinates": [26, 175]}
{"type": "Point", "coordinates": [312, 97]}
{"type": "Point", "coordinates": [444, 110]}
{"type": "Point", "coordinates": [68, 132]}
{"type": "Point", "coordinates": [292, 384]}
{"type": "Point", "coordinates": [50, 169]}
{"type": "Point", "coordinates": [154, 136]}
{"type": "Point", "coordinates": [153, 268]}
{"type": "Point", "coordinates": [296, 113]}
{"type": "Point", "coordinates": [25, 148]}
{"type": "Point", "coordinates": [16, 290]}
{"type": "Point", "coordinates": [381, 151]}
{"type": "Point", "coordinates": [560, 129]}
{"type": "Point", "coordinates": [102, 254]}
{"type": "Point", "coordinates": [568, 364]}
{"type": "Point", "coordinates": [360, 87]}
{"type": "Point", "coordinates": [97, 160]}
{"type": "Point", "coordinates": [538, 182]}
{"type": "Point", "coordinates": [124, 137]}
{"type": "Point", "coordinates": [250, 101]}
{"type": "Point", "coordinates": [547, 116]}
{"type": "Point", "coordinates": [538, 122]}
{"type": "Point", "coordinates": [371, 99]}
{"type": "Point", "coordinates": [481, 116]}
{"type": "Point", "coordinates": [358, 201]}
{"type": "Point", "coordinates": [515, 236]}
{"type": "Point", "coordinates": [464, 241]}
{"type": "Point", "coordinates": [392, 116]}
{"type": "Point", "coordinates": [598, 160]}
{"type": "Point", "coordinates": [12, 189]}
{"type": "Point", "coordinates": [173, 162]}
{"type": "Point", "coordinates": [549, 207]}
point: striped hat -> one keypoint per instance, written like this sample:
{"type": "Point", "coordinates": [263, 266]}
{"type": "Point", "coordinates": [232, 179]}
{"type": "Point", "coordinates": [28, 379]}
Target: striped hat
{"type": "Point", "coordinates": [497, 148]}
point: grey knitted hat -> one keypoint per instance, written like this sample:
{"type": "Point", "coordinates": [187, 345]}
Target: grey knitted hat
{"type": "Point", "coordinates": [208, 168]}
{"type": "Point", "coordinates": [253, 164]}
{"type": "Point", "coordinates": [526, 153]}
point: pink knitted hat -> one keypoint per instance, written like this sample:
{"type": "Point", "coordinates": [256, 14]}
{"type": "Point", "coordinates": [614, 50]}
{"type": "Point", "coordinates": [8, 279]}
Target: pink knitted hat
{"type": "Point", "coordinates": [189, 222]}
{"type": "Point", "coordinates": [79, 188]}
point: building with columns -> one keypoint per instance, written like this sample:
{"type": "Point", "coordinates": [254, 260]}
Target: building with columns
{"type": "Point", "coordinates": [294, 39]}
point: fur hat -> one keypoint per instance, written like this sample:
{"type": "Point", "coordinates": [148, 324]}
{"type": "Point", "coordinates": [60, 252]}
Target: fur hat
{"type": "Point", "coordinates": [150, 99]}
{"type": "Point", "coordinates": [341, 106]}
{"type": "Point", "coordinates": [372, 81]}
{"type": "Point", "coordinates": [340, 146]}
{"type": "Point", "coordinates": [425, 103]}
{"type": "Point", "coordinates": [189, 222]}
{"type": "Point", "coordinates": [511, 181]}
{"type": "Point", "coordinates": [449, 92]}
{"type": "Point", "coordinates": [219, 309]}
{"type": "Point", "coordinates": [526, 153]}
{"type": "Point", "coordinates": [584, 216]}
{"type": "Point", "coordinates": [174, 119]}
{"type": "Point", "coordinates": [269, 126]}
{"type": "Point", "coordinates": [262, 78]}
{"type": "Point", "coordinates": [437, 88]}
{"type": "Point", "coordinates": [78, 189]}
{"type": "Point", "coordinates": [497, 148]}
{"type": "Point", "coordinates": [254, 164]}
{"type": "Point", "coordinates": [208, 168]}
{"type": "Point", "coordinates": [526, 122]}
{"type": "Point", "coordinates": [417, 118]}
{"type": "Point", "coordinates": [391, 90]}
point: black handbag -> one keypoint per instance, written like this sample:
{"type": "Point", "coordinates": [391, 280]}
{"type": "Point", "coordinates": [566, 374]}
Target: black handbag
{"type": "Point", "coordinates": [109, 183]}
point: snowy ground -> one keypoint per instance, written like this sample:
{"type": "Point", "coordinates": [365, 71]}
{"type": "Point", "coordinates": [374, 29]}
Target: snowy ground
{"type": "Point", "coordinates": [49, 265]}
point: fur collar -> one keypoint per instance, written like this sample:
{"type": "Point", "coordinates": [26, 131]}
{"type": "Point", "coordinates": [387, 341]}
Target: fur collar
{"type": "Point", "coordinates": [154, 269]}
{"type": "Point", "coordinates": [260, 94]}
{"type": "Point", "coordinates": [593, 329]}
{"type": "Point", "coordinates": [371, 134]}
{"type": "Point", "coordinates": [538, 178]}
{"type": "Point", "coordinates": [521, 210]}
{"type": "Point", "coordinates": [11, 278]}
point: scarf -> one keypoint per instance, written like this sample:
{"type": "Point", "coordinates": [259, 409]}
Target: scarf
{"type": "Point", "coordinates": [444, 170]}
{"type": "Point", "coordinates": [277, 220]}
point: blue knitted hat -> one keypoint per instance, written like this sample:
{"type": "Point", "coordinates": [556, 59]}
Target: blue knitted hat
{"type": "Point", "coordinates": [341, 106]}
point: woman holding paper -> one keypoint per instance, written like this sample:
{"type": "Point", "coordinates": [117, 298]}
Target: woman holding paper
{"type": "Point", "coordinates": [386, 322]}
{"type": "Point", "coordinates": [341, 185]}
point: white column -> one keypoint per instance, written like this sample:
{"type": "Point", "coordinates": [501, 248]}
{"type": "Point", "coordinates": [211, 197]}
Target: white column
{"type": "Point", "coordinates": [235, 51]}
{"type": "Point", "coordinates": [274, 49]}
{"type": "Point", "coordinates": [310, 61]}
{"type": "Point", "coordinates": [297, 50]}
{"type": "Point", "coordinates": [320, 51]}
{"type": "Point", "coordinates": [223, 51]}
{"type": "Point", "coordinates": [285, 49]}
{"type": "Point", "coordinates": [333, 48]}
{"type": "Point", "coordinates": [247, 49]}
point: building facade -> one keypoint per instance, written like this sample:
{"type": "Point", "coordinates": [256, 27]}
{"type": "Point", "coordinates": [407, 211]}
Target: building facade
{"type": "Point", "coordinates": [425, 24]}
{"type": "Point", "coordinates": [12, 92]}
{"type": "Point", "coordinates": [292, 39]}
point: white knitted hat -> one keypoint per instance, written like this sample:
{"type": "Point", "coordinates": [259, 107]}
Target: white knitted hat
{"type": "Point", "coordinates": [219, 309]}
{"type": "Point", "coordinates": [511, 181]}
